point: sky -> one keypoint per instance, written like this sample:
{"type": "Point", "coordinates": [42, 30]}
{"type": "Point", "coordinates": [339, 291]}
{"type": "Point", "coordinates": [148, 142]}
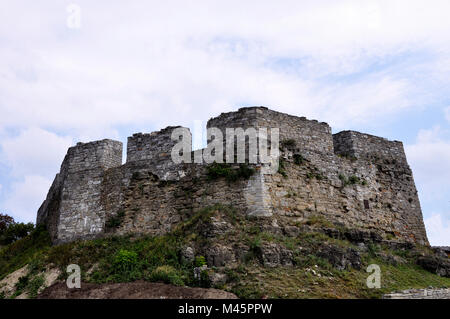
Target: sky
{"type": "Point", "coordinates": [88, 70]}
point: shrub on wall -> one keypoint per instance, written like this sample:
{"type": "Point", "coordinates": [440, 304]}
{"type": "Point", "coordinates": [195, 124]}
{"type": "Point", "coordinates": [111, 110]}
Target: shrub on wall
{"type": "Point", "coordinates": [115, 221]}
{"type": "Point", "coordinates": [219, 170]}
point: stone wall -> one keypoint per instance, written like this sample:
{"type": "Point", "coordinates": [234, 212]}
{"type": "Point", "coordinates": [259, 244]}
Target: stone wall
{"type": "Point", "coordinates": [155, 150]}
{"type": "Point", "coordinates": [359, 145]}
{"type": "Point", "coordinates": [353, 180]}
{"type": "Point", "coordinates": [431, 293]}
{"type": "Point", "coordinates": [310, 135]}
{"type": "Point", "coordinates": [152, 206]}
{"type": "Point", "coordinates": [381, 197]}
{"type": "Point", "coordinates": [73, 208]}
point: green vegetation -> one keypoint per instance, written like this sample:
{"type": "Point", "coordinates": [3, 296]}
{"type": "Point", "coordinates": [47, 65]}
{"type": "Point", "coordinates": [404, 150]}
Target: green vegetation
{"type": "Point", "coordinates": [29, 284]}
{"type": "Point", "coordinates": [114, 258]}
{"type": "Point", "coordinates": [352, 180]}
{"type": "Point", "coordinates": [159, 259]}
{"type": "Point", "coordinates": [298, 283]}
{"type": "Point", "coordinates": [316, 277]}
{"type": "Point", "coordinates": [282, 168]}
{"type": "Point", "coordinates": [319, 220]}
{"type": "Point", "coordinates": [168, 275]}
{"type": "Point", "coordinates": [115, 221]}
{"type": "Point", "coordinates": [288, 143]}
{"type": "Point", "coordinates": [227, 171]}
{"type": "Point", "coordinates": [125, 261]}
{"type": "Point", "coordinates": [348, 156]}
{"type": "Point", "coordinates": [200, 261]}
{"type": "Point", "coordinates": [18, 254]}
{"type": "Point", "coordinates": [316, 175]}
{"type": "Point", "coordinates": [299, 159]}
{"type": "Point", "coordinates": [10, 231]}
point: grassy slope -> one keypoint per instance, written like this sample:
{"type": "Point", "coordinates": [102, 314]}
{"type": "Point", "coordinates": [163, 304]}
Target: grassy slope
{"type": "Point", "coordinates": [297, 283]}
{"type": "Point", "coordinates": [124, 259]}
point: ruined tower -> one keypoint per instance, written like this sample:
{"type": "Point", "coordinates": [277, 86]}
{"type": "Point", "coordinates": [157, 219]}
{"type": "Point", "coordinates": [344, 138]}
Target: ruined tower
{"type": "Point", "coordinates": [353, 180]}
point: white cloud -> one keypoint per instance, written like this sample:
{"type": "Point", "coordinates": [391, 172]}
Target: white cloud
{"type": "Point", "coordinates": [447, 113]}
{"type": "Point", "coordinates": [158, 63]}
{"type": "Point", "coordinates": [34, 151]}
{"type": "Point", "coordinates": [151, 64]}
{"type": "Point", "coordinates": [34, 157]}
{"type": "Point", "coordinates": [429, 158]}
{"type": "Point", "coordinates": [26, 197]}
{"type": "Point", "coordinates": [438, 230]}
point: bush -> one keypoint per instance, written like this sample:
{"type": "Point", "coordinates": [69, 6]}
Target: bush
{"type": "Point", "coordinates": [245, 171]}
{"type": "Point", "coordinates": [282, 168]}
{"type": "Point", "coordinates": [200, 261]}
{"type": "Point", "coordinates": [163, 250]}
{"type": "Point", "coordinates": [373, 249]}
{"type": "Point", "coordinates": [22, 283]}
{"type": "Point", "coordinates": [5, 221]}
{"type": "Point", "coordinates": [22, 251]}
{"type": "Point", "coordinates": [115, 221]}
{"type": "Point", "coordinates": [288, 143]}
{"type": "Point", "coordinates": [125, 266]}
{"type": "Point", "coordinates": [125, 261]}
{"type": "Point", "coordinates": [318, 176]}
{"type": "Point", "coordinates": [218, 170]}
{"type": "Point", "coordinates": [10, 231]}
{"type": "Point", "coordinates": [168, 275]}
{"type": "Point", "coordinates": [205, 281]}
{"type": "Point", "coordinates": [299, 159]}
{"type": "Point", "coordinates": [29, 285]}
{"type": "Point", "coordinates": [352, 180]}
{"type": "Point", "coordinates": [35, 284]}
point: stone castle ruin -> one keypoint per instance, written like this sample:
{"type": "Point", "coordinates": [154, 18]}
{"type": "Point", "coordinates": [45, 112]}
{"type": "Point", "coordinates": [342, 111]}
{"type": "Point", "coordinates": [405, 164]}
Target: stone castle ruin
{"type": "Point", "coordinates": [349, 179]}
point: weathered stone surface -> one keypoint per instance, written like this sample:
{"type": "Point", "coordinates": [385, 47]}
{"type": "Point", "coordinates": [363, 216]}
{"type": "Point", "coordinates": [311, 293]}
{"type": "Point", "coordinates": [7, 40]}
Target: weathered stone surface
{"type": "Point", "coordinates": [155, 148]}
{"type": "Point", "coordinates": [392, 259]}
{"type": "Point", "coordinates": [73, 208]}
{"type": "Point", "coordinates": [291, 231]}
{"type": "Point", "coordinates": [442, 251]}
{"type": "Point", "coordinates": [220, 256]}
{"type": "Point", "coordinates": [354, 235]}
{"type": "Point", "coordinates": [435, 264]}
{"type": "Point", "coordinates": [273, 255]}
{"type": "Point", "coordinates": [443, 293]}
{"type": "Point", "coordinates": [217, 279]}
{"type": "Point", "coordinates": [341, 258]}
{"type": "Point", "coordinates": [215, 228]}
{"type": "Point", "coordinates": [188, 254]}
{"type": "Point", "coordinates": [353, 180]}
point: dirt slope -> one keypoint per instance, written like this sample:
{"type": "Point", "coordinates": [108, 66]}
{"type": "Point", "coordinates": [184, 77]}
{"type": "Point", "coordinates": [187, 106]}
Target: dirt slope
{"type": "Point", "coordinates": [134, 290]}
